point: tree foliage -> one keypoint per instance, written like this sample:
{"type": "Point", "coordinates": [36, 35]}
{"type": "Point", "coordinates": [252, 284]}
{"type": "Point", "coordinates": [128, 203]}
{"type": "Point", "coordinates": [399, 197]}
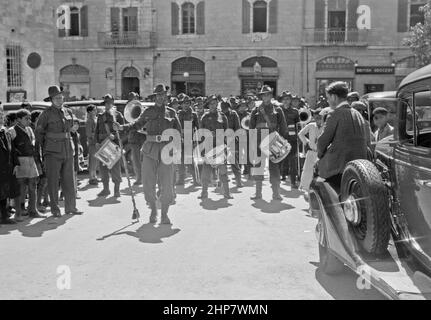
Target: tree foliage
{"type": "Point", "coordinates": [419, 38]}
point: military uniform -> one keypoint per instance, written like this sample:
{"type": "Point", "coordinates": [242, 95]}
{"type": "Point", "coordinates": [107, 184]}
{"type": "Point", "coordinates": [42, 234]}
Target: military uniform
{"type": "Point", "coordinates": [53, 134]}
{"type": "Point", "coordinates": [104, 129]}
{"type": "Point", "coordinates": [213, 121]}
{"type": "Point", "coordinates": [277, 123]}
{"type": "Point", "coordinates": [90, 129]}
{"type": "Point", "coordinates": [156, 120]}
{"type": "Point", "coordinates": [183, 116]}
{"type": "Point", "coordinates": [234, 124]}
{"type": "Point", "coordinates": [289, 166]}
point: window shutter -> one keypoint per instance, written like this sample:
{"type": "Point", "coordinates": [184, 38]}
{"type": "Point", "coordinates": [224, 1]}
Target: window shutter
{"type": "Point", "coordinates": [353, 7]}
{"type": "Point", "coordinates": [175, 11]}
{"type": "Point", "coordinates": [61, 32]}
{"type": "Point", "coordinates": [246, 16]}
{"type": "Point", "coordinates": [319, 14]}
{"type": "Point", "coordinates": [115, 20]}
{"type": "Point", "coordinates": [273, 13]}
{"type": "Point", "coordinates": [402, 15]}
{"type": "Point", "coordinates": [84, 21]}
{"type": "Point", "coordinates": [352, 35]}
{"type": "Point", "coordinates": [133, 15]}
{"type": "Point", "coordinates": [200, 9]}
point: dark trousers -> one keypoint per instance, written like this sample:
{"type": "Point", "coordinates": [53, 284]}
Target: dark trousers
{"type": "Point", "coordinates": [153, 172]}
{"type": "Point", "coordinates": [274, 174]}
{"type": "Point", "coordinates": [115, 173]}
{"type": "Point", "coordinates": [289, 166]}
{"type": "Point", "coordinates": [3, 210]}
{"type": "Point", "coordinates": [207, 172]}
{"type": "Point", "coordinates": [61, 171]}
{"type": "Point", "coordinates": [136, 160]}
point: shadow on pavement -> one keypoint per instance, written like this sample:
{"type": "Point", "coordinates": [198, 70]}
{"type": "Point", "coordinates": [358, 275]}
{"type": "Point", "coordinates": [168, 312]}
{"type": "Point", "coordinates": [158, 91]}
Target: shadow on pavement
{"type": "Point", "coordinates": [272, 207]}
{"type": "Point", "coordinates": [183, 190]}
{"type": "Point", "coordinates": [212, 205]}
{"type": "Point", "coordinates": [101, 201]}
{"type": "Point", "coordinates": [37, 229]}
{"type": "Point", "coordinates": [147, 233]}
{"type": "Point", "coordinates": [290, 194]}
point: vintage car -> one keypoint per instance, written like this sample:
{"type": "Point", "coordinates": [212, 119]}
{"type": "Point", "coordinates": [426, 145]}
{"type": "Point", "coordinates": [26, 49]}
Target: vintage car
{"type": "Point", "coordinates": [384, 99]}
{"type": "Point", "coordinates": [15, 106]}
{"type": "Point", "coordinates": [378, 220]}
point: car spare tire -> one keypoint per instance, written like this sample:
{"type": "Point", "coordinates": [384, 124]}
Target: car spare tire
{"type": "Point", "coordinates": [366, 206]}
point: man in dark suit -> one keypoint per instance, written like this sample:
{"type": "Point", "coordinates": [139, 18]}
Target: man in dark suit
{"type": "Point", "coordinates": [345, 136]}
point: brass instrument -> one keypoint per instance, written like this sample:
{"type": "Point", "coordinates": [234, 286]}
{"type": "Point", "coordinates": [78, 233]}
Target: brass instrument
{"type": "Point", "coordinates": [133, 110]}
{"type": "Point", "coordinates": [245, 122]}
{"type": "Point", "coordinates": [304, 116]}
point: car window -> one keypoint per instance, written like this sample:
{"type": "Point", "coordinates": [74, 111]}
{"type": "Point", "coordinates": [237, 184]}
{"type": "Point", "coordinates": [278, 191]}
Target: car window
{"type": "Point", "coordinates": [389, 105]}
{"type": "Point", "coordinates": [423, 111]}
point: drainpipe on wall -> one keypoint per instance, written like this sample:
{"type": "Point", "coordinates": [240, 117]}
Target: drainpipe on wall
{"type": "Point", "coordinates": [115, 71]}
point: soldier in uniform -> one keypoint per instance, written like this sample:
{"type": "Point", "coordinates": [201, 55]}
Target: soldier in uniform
{"type": "Point", "coordinates": [291, 114]}
{"type": "Point", "coordinates": [135, 141]}
{"type": "Point", "coordinates": [53, 134]}
{"type": "Point", "coordinates": [243, 112]}
{"type": "Point", "coordinates": [186, 114]}
{"type": "Point", "coordinates": [105, 130]}
{"type": "Point", "coordinates": [268, 116]}
{"type": "Point", "coordinates": [156, 119]}
{"type": "Point", "coordinates": [213, 120]}
{"type": "Point", "coordinates": [234, 124]}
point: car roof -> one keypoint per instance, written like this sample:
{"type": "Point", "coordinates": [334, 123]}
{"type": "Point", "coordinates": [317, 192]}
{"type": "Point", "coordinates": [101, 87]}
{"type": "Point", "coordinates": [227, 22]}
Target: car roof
{"type": "Point", "coordinates": [415, 76]}
{"type": "Point", "coordinates": [14, 106]}
{"type": "Point", "coordinates": [380, 95]}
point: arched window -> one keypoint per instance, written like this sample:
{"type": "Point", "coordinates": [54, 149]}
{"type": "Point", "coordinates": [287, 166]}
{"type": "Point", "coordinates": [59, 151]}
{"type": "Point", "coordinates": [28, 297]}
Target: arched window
{"type": "Point", "coordinates": [188, 15]}
{"type": "Point", "coordinates": [260, 16]}
{"type": "Point", "coordinates": [264, 62]}
{"type": "Point", "coordinates": [335, 63]}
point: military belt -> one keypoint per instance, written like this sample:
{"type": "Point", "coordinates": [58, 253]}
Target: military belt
{"type": "Point", "coordinates": [58, 135]}
{"type": "Point", "coordinates": [158, 138]}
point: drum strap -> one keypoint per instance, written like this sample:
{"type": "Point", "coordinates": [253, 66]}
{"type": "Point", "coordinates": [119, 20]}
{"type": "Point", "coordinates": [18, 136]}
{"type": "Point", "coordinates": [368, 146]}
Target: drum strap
{"type": "Point", "coordinates": [268, 122]}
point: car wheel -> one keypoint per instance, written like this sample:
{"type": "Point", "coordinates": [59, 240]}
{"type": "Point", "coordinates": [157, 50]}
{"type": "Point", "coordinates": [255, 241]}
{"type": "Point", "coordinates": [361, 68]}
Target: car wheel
{"type": "Point", "coordinates": [328, 263]}
{"type": "Point", "coordinates": [366, 208]}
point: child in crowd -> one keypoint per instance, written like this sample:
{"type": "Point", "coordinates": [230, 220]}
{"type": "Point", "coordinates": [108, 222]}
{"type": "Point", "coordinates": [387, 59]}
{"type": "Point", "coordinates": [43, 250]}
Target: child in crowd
{"type": "Point", "coordinates": [381, 119]}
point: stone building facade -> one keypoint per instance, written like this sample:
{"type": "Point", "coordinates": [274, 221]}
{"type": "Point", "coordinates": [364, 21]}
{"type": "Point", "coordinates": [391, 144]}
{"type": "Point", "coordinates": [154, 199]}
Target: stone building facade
{"type": "Point", "coordinates": [26, 31]}
{"type": "Point", "coordinates": [227, 46]}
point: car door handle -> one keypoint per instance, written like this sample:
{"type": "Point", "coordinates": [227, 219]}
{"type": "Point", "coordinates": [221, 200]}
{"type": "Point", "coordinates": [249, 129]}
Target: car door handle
{"type": "Point", "coordinates": [425, 183]}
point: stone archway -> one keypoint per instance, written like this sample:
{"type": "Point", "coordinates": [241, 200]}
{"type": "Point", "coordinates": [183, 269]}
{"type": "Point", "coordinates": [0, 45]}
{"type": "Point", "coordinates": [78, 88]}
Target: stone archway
{"type": "Point", "coordinates": [129, 82]}
{"type": "Point", "coordinates": [75, 79]}
{"type": "Point", "coordinates": [188, 76]}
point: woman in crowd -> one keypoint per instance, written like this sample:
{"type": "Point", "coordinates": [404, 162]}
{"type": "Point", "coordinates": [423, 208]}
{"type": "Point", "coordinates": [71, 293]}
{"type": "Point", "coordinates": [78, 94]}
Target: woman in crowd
{"type": "Point", "coordinates": [9, 188]}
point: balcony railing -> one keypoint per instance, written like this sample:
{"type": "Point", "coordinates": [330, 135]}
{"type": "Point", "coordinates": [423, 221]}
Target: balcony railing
{"type": "Point", "coordinates": [337, 37]}
{"type": "Point", "coordinates": [130, 39]}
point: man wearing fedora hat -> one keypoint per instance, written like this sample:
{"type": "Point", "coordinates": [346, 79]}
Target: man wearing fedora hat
{"type": "Point", "coordinates": [105, 130]}
{"type": "Point", "coordinates": [53, 133]}
{"type": "Point", "coordinates": [156, 119]}
{"type": "Point", "coordinates": [268, 116]}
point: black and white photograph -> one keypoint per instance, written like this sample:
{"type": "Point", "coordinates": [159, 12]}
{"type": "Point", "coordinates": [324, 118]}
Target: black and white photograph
{"type": "Point", "coordinates": [215, 156]}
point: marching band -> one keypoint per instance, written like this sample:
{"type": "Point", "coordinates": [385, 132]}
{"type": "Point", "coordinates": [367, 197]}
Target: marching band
{"type": "Point", "coordinates": [290, 124]}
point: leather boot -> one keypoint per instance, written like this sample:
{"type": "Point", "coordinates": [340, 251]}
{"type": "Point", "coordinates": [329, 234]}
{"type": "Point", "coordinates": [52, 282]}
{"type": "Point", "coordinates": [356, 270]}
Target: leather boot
{"type": "Point", "coordinates": [165, 218]}
{"type": "Point", "coordinates": [258, 194]}
{"type": "Point", "coordinates": [117, 193]}
{"type": "Point", "coordinates": [276, 192]}
{"type": "Point", "coordinates": [204, 193]}
{"type": "Point", "coordinates": [226, 192]}
{"type": "Point", "coordinates": [153, 216]}
{"type": "Point", "coordinates": [105, 192]}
